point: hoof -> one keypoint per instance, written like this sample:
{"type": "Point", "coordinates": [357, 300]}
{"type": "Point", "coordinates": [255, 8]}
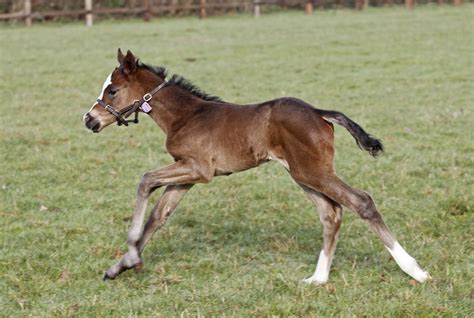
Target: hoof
{"type": "Point", "coordinates": [422, 276]}
{"type": "Point", "coordinates": [112, 273]}
{"type": "Point", "coordinates": [313, 281]}
{"type": "Point", "coordinates": [108, 276]}
{"type": "Point", "coordinates": [119, 268]}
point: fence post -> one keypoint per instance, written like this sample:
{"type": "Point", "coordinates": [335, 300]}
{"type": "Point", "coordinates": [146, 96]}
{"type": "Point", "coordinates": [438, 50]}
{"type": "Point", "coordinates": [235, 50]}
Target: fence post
{"type": "Point", "coordinates": [309, 7]}
{"type": "Point", "coordinates": [202, 9]}
{"type": "Point", "coordinates": [409, 4]}
{"type": "Point", "coordinates": [89, 16]}
{"type": "Point", "coordinates": [456, 3]}
{"type": "Point", "coordinates": [147, 11]}
{"type": "Point", "coordinates": [28, 19]}
{"type": "Point", "coordinates": [256, 8]}
{"type": "Point", "coordinates": [359, 4]}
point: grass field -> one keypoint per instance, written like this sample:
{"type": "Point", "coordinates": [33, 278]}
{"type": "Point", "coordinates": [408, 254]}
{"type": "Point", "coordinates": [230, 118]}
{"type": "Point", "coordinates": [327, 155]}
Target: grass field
{"type": "Point", "coordinates": [240, 245]}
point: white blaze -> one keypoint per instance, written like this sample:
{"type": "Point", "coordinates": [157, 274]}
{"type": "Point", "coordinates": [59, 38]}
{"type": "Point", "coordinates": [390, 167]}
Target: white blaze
{"type": "Point", "coordinates": [107, 82]}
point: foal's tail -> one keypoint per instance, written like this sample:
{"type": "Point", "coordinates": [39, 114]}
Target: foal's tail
{"type": "Point", "coordinates": [363, 139]}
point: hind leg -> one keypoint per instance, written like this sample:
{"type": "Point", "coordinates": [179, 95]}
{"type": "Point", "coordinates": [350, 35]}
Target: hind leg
{"type": "Point", "coordinates": [362, 203]}
{"type": "Point", "coordinates": [330, 215]}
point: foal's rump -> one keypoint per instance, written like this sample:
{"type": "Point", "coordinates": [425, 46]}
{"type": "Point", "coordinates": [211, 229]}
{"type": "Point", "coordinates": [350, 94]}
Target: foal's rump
{"type": "Point", "coordinates": [302, 112]}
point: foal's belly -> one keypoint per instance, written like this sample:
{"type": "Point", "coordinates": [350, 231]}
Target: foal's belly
{"type": "Point", "coordinates": [237, 159]}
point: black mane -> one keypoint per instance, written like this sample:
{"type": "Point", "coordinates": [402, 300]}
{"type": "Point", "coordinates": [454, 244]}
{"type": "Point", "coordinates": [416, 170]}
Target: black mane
{"type": "Point", "coordinates": [190, 87]}
{"type": "Point", "coordinates": [180, 81]}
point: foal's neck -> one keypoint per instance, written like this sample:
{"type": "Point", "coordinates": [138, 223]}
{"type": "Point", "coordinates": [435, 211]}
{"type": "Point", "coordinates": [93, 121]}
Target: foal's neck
{"type": "Point", "coordinates": [171, 105]}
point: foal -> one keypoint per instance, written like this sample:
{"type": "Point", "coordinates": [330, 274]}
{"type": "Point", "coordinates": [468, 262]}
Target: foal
{"type": "Point", "coordinates": [208, 138]}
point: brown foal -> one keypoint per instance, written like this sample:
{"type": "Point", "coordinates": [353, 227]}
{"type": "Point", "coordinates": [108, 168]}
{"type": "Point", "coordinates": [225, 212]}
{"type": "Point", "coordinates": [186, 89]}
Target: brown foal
{"type": "Point", "coordinates": [208, 138]}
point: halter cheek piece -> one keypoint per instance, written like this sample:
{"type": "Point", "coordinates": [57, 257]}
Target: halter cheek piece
{"type": "Point", "coordinates": [136, 107]}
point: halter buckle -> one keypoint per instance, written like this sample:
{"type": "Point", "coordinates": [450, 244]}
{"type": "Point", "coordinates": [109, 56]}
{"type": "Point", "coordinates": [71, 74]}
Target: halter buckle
{"type": "Point", "coordinates": [147, 97]}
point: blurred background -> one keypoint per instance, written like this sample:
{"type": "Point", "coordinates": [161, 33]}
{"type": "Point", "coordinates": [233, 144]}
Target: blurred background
{"type": "Point", "coordinates": [29, 10]}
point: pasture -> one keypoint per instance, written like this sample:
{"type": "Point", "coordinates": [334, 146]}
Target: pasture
{"type": "Point", "coordinates": [240, 245]}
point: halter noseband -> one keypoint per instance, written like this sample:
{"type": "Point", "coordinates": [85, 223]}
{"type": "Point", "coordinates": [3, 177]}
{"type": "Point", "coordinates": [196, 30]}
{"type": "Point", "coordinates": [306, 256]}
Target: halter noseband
{"type": "Point", "coordinates": [135, 107]}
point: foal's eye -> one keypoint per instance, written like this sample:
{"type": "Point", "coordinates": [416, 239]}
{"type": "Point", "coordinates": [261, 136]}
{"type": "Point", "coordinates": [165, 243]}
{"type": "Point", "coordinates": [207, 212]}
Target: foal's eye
{"type": "Point", "coordinates": [112, 92]}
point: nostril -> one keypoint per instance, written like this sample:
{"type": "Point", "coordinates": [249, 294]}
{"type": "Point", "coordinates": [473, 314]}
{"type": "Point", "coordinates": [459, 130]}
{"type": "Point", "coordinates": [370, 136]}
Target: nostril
{"type": "Point", "coordinates": [91, 122]}
{"type": "Point", "coordinates": [88, 120]}
{"type": "Point", "coordinates": [96, 127]}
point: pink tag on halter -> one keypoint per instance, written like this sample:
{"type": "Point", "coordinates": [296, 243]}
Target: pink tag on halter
{"type": "Point", "coordinates": [145, 107]}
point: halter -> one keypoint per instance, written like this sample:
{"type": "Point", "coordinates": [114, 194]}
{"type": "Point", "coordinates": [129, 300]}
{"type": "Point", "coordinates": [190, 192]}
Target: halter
{"type": "Point", "coordinates": [135, 107]}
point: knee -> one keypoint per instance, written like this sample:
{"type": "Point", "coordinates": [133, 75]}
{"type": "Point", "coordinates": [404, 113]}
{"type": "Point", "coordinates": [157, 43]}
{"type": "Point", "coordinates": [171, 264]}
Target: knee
{"type": "Point", "coordinates": [366, 207]}
{"type": "Point", "coordinates": [144, 187]}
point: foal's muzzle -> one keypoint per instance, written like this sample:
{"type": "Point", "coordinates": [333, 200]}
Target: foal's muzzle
{"type": "Point", "coordinates": [91, 123]}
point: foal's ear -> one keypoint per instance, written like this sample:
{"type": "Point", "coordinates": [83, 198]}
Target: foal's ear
{"type": "Point", "coordinates": [129, 63]}
{"type": "Point", "coordinates": [120, 56]}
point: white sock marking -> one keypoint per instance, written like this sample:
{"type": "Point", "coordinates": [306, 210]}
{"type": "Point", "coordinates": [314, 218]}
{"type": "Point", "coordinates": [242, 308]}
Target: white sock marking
{"type": "Point", "coordinates": [407, 263]}
{"type": "Point", "coordinates": [321, 274]}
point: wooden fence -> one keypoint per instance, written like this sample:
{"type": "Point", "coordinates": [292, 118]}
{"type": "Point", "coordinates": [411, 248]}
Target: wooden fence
{"type": "Point", "coordinates": [202, 8]}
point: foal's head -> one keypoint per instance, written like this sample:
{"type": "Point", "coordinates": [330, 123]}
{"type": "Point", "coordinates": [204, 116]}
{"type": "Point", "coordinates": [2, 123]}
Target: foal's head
{"type": "Point", "coordinates": [126, 84]}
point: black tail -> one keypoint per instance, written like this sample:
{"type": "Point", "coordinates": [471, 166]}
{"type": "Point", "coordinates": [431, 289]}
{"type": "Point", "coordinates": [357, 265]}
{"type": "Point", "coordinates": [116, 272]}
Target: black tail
{"type": "Point", "coordinates": [363, 139]}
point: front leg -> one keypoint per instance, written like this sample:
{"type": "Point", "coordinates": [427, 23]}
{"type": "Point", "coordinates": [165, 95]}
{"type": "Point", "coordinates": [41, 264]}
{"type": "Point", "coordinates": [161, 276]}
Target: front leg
{"type": "Point", "coordinates": [181, 172]}
{"type": "Point", "coordinates": [162, 211]}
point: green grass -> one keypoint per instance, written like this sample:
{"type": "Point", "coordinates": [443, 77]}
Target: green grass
{"type": "Point", "coordinates": [240, 245]}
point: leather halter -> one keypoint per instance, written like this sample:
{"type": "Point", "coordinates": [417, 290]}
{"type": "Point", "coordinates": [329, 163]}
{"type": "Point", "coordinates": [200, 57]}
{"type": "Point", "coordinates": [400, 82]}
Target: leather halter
{"type": "Point", "coordinates": [135, 107]}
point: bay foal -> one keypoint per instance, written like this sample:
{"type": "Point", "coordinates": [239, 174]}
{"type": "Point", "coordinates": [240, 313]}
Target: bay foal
{"type": "Point", "coordinates": [208, 138]}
